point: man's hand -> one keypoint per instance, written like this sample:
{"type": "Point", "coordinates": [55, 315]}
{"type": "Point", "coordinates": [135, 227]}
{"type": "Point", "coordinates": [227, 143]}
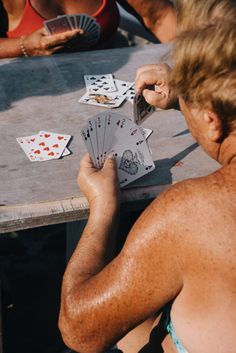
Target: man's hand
{"type": "Point", "coordinates": [100, 186]}
{"type": "Point", "coordinates": [40, 43]}
{"type": "Point", "coordinates": [158, 75]}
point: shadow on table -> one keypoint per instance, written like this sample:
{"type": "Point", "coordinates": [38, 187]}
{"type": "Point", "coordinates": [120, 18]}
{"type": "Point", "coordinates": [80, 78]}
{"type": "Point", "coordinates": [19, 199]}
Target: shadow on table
{"type": "Point", "coordinates": [54, 75]}
{"type": "Point", "coordinates": [162, 175]}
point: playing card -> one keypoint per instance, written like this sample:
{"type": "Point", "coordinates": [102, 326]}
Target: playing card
{"type": "Point", "coordinates": [26, 144]}
{"type": "Point", "coordinates": [132, 157]}
{"type": "Point", "coordinates": [109, 100]}
{"type": "Point", "coordinates": [101, 131]}
{"type": "Point", "coordinates": [145, 132]}
{"type": "Point", "coordinates": [112, 121]}
{"type": "Point", "coordinates": [120, 136]}
{"type": "Point", "coordinates": [101, 84]}
{"type": "Point", "coordinates": [122, 86]}
{"type": "Point", "coordinates": [44, 146]}
{"type": "Point", "coordinates": [130, 94]}
{"type": "Point", "coordinates": [142, 110]}
{"type": "Point", "coordinates": [58, 25]}
{"type": "Point", "coordinates": [86, 136]}
{"type": "Point", "coordinates": [66, 152]}
{"type": "Point", "coordinates": [71, 19]}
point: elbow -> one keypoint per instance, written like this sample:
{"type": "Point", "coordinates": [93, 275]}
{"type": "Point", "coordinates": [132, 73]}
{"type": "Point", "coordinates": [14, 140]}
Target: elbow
{"type": "Point", "coordinates": [77, 336]}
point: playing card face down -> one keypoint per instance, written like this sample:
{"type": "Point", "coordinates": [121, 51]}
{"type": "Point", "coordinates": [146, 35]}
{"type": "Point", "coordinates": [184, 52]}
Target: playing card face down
{"type": "Point", "coordinates": [110, 133]}
{"type": "Point", "coordinates": [76, 21]}
{"type": "Point", "coordinates": [58, 25]}
{"type": "Point", "coordinates": [141, 109]}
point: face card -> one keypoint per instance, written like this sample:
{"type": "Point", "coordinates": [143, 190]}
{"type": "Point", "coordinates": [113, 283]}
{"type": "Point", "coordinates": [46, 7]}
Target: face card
{"type": "Point", "coordinates": [109, 100]}
{"type": "Point", "coordinates": [58, 25]}
{"type": "Point", "coordinates": [142, 110]}
{"type": "Point", "coordinates": [101, 84]}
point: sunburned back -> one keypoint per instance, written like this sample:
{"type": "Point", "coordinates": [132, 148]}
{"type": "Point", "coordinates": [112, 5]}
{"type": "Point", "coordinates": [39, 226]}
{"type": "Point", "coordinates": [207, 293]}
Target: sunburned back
{"type": "Point", "coordinates": [204, 313]}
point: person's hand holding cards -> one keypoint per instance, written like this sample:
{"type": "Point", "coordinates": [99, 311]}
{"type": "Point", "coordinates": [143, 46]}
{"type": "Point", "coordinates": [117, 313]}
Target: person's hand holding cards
{"type": "Point", "coordinates": [40, 43]}
{"type": "Point", "coordinates": [157, 77]}
{"type": "Point", "coordinates": [110, 133]}
{"type": "Point", "coordinates": [81, 23]}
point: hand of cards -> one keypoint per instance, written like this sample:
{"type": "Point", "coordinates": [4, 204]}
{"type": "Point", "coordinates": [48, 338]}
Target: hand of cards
{"type": "Point", "coordinates": [44, 146]}
{"type": "Point", "coordinates": [110, 133]}
{"type": "Point", "coordinates": [105, 91]}
{"type": "Point", "coordinates": [78, 21]}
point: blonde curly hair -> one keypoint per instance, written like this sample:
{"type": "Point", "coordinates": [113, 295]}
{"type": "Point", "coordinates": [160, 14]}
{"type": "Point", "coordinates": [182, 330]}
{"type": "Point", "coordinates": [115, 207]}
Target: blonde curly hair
{"type": "Point", "coordinates": [204, 72]}
{"type": "Point", "coordinates": [198, 13]}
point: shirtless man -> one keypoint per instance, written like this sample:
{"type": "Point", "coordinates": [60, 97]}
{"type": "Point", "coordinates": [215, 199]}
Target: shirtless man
{"type": "Point", "coordinates": [22, 32]}
{"type": "Point", "coordinates": [181, 252]}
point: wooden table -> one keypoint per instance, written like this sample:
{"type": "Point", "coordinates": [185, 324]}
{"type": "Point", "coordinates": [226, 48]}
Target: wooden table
{"type": "Point", "coordinates": [42, 94]}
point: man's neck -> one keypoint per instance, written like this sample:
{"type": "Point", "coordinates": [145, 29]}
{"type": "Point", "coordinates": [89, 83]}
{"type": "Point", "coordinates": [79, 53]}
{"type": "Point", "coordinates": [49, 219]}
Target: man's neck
{"type": "Point", "coordinates": [227, 152]}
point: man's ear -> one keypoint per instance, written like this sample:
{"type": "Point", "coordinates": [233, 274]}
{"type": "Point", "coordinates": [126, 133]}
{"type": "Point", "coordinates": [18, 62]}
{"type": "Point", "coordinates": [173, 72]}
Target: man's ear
{"type": "Point", "coordinates": [213, 124]}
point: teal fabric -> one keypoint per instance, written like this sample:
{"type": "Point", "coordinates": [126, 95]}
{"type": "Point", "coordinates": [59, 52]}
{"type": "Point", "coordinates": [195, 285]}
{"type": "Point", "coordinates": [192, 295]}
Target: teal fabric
{"type": "Point", "coordinates": [170, 329]}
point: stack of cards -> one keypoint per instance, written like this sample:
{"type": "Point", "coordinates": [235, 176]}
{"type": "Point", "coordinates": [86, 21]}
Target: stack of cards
{"type": "Point", "coordinates": [110, 133]}
{"type": "Point", "coordinates": [105, 91]}
{"type": "Point", "coordinates": [44, 146]}
{"type": "Point", "coordinates": [69, 22]}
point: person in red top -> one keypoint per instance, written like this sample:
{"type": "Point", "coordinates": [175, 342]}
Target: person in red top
{"type": "Point", "coordinates": [22, 32]}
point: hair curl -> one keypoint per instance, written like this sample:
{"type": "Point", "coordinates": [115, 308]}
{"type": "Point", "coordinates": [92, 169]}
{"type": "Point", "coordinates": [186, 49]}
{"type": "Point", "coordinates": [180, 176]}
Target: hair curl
{"type": "Point", "coordinates": [204, 73]}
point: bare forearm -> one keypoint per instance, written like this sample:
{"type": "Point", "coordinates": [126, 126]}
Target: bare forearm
{"type": "Point", "coordinates": [159, 16]}
{"type": "Point", "coordinates": [10, 48]}
{"type": "Point", "coordinates": [96, 247]}
{"type": "Point", "coordinates": [94, 250]}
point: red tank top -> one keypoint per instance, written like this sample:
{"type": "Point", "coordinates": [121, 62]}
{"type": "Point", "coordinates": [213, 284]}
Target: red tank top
{"type": "Point", "coordinates": [107, 16]}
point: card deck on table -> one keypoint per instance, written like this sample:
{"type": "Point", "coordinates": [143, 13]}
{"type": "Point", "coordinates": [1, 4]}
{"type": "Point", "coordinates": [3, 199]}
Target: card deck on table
{"type": "Point", "coordinates": [142, 110]}
{"type": "Point", "coordinates": [44, 146]}
{"type": "Point", "coordinates": [110, 133]}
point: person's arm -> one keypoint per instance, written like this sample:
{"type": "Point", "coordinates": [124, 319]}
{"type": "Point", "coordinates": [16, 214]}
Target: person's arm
{"type": "Point", "coordinates": [159, 16]}
{"type": "Point", "coordinates": [101, 303]}
{"type": "Point", "coordinates": [39, 43]}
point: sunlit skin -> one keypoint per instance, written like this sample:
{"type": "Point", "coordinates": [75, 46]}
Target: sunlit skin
{"type": "Point", "coordinates": [181, 249]}
{"type": "Point", "coordinates": [159, 76]}
{"type": "Point", "coordinates": [163, 24]}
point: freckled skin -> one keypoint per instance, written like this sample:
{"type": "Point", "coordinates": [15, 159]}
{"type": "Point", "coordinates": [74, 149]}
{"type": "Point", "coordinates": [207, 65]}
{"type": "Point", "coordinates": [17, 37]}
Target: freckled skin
{"type": "Point", "coordinates": [182, 249]}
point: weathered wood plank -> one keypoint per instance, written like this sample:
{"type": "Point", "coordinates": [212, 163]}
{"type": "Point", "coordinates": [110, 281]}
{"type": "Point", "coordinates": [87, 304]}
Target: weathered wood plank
{"type": "Point", "coordinates": [18, 217]}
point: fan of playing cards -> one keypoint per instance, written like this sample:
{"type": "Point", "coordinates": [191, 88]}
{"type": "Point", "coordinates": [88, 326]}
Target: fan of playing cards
{"type": "Point", "coordinates": [69, 22]}
{"type": "Point", "coordinates": [105, 91]}
{"type": "Point", "coordinates": [110, 133]}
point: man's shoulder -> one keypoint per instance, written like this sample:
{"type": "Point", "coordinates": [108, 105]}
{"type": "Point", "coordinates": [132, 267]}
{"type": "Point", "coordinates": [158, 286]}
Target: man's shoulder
{"type": "Point", "coordinates": [184, 201]}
